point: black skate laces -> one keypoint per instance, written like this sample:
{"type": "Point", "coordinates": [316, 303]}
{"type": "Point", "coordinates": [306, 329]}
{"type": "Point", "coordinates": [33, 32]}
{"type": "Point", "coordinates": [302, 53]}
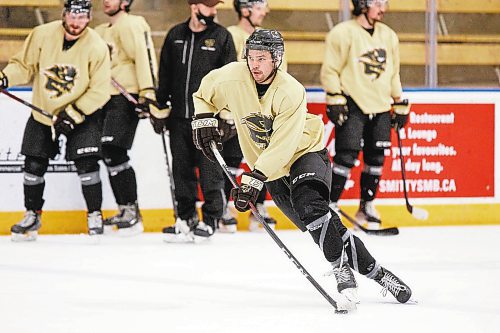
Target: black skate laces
{"type": "Point", "coordinates": [391, 283]}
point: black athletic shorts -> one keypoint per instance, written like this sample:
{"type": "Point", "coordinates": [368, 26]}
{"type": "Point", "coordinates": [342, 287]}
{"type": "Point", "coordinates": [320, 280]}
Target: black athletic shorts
{"type": "Point", "coordinates": [83, 141]}
{"type": "Point", "coordinates": [120, 122]}
{"type": "Point", "coordinates": [314, 168]}
{"type": "Point", "coordinates": [360, 129]}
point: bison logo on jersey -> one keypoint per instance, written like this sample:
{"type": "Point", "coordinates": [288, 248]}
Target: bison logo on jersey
{"type": "Point", "coordinates": [60, 79]}
{"type": "Point", "coordinates": [374, 62]}
{"type": "Point", "coordinates": [260, 128]}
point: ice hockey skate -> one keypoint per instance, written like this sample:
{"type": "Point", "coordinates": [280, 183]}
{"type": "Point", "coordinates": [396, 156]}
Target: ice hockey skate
{"type": "Point", "coordinates": [367, 215]}
{"type": "Point", "coordinates": [254, 224]}
{"type": "Point", "coordinates": [187, 231]}
{"type": "Point", "coordinates": [94, 223]}
{"type": "Point", "coordinates": [128, 221]}
{"type": "Point", "coordinates": [393, 284]}
{"type": "Point", "coordinates": [27, 228]}
{"type": "Point", "coordinates": [227, 223]}
{"type": "Point", "coordinates": [346, 283]}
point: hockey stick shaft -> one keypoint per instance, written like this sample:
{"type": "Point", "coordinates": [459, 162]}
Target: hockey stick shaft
{"type": "Point", "coordinates": [26, 103]}
{"type": "Point", "coordinates": [271, 232]}
{"type": "Point", "coordinates": [123, 91]}
{"type": "Point", "coordinates": [35, 108]}
{"type": "Point", "coordinates": [409, 207]}
{"type": "Point", "coordinates": [379, 232]}
{"type": "Point", "coordinates": [170, 175]}
{"type": "Point", "coordinates": [418, 213]}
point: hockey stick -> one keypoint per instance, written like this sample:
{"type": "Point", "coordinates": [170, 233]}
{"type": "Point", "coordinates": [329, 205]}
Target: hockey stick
{"type": "Point", "coordinates": [273, 235]}
{"type": "Point", "coordinates": [418, 213]}
{"type": "Point", "coordinates": [28, 104]}
{"type": "Point", "coordinates": [392, 231]}
{"type": "Point", "coordinates": [33, 107]}
{"type": "Point", "coordinates": [170, 176]}
{"type": "Point", "coordinates": [129, 98]}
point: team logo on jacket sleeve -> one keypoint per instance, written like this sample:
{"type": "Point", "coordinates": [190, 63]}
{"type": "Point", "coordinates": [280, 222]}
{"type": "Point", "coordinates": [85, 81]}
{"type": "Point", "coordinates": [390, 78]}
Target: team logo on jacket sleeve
{"type": "Point", "coordinates": [260, 128]}
{"type": "Point", "coordinates": [374, 62]}
{"type": "Point", "coordinates": [60, 79]}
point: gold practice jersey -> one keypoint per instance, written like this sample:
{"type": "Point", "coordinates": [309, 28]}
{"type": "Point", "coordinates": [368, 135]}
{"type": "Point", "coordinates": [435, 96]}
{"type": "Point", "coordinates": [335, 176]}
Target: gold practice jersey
{"type": "Point", "coordinates": [129, 55]}
{"type": "Point", "coordinates": [79, 75]}
{"type": "Point", "coordinates": [363, 66]}
{"type": "Point", "coordinates": [273, 131]}
{"type": "Point", "coordinates": [240, 37]}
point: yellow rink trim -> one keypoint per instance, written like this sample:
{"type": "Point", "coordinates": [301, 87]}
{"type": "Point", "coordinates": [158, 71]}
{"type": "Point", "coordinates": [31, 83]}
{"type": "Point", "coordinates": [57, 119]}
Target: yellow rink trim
{"type": "Point", "coordinates": [74, 222]}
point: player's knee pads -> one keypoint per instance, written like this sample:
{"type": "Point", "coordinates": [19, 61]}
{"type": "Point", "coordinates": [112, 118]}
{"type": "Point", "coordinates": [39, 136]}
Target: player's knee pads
{"type": "Point", "coordinates": [375, 158]}
{"type": "Point", "coordinates": [346, 158]}
{"type": "Point", "coordinates": [310, 201]}
{"type": "Point", "coordinates": [114, 155]}
{"type": "Point", "coordinates": [372, 170]}
{"type": "Point", "coordinates": [88, 170]}
{"type": "Point", "coordinates": [36, 166]}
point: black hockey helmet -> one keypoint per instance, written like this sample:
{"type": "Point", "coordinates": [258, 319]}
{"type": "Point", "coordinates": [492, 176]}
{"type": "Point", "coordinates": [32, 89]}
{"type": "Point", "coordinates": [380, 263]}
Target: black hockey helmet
{"type": "Point", "coordinates": [267, 40]}
{"type": "Point", "coordinates": [359, 6]}
{"type": "Point", "coordinates": [239, 4]}
{"type": "Point", "coordinates": [127, 7]}
{"type": "Point", "coordinates": [77, 6]}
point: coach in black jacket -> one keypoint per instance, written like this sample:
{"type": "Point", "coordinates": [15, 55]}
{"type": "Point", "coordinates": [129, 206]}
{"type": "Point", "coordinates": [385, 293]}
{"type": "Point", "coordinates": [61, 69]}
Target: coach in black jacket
{"type": "Point", "coordinates": [191, 50]}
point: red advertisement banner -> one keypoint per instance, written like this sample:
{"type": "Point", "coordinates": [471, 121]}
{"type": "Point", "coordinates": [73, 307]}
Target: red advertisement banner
{"type": "Point", "coordinates": [448, 151]}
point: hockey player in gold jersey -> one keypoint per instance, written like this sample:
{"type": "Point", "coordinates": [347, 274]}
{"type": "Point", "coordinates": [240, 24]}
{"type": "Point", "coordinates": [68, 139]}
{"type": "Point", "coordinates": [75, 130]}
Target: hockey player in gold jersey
{"type": "Point", "coordinates": [70, 68]}
{"type": "Point", "coordinates": [251, 14]}
{"type": "Point", "coordinates": [128, 37]}
{"type": "Point", "coordinates": [360, 75]}
{"type": "Point", "coordinates": [283, 145]}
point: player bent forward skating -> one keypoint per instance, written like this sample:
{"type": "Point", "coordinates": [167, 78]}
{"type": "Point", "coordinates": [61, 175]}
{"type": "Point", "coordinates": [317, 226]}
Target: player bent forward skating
{"type": "Point", "coordinates": [283, 145]}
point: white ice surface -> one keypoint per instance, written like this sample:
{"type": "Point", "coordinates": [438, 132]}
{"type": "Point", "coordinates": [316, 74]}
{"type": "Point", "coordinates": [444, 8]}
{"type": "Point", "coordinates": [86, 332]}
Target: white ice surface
{"type": "Point", "coordinates": [244, 283]}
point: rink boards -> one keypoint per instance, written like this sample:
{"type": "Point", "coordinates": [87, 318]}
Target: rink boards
{"type": "Point", "coordinates": [449, 145]}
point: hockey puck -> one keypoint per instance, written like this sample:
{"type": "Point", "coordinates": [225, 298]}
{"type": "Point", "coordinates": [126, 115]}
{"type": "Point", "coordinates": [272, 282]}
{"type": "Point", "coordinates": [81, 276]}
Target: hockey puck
{"type": "Point", "coordinates": [341, 312]}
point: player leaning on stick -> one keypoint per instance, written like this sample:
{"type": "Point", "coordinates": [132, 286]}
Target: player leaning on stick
{"type": "Point", "coordinates": [70, 68]}
{"type": "Point", "coordinates": [283, 145]}
{"type": "Point", "coordinates": [360, 75]}
{"type": "Point", "coordinates": [126, 36]}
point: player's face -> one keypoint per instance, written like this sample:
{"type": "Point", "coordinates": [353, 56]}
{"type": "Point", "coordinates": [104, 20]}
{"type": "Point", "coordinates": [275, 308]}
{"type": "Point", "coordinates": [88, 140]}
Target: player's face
{"type": "Point", "coordinates": [111, 7]}
{"type": "Point", "coordinates": [258, 13]}
{"type": "Point", "coordinates": [377, 9]}
{"type": "Point", "coordinates": [207, 11]}
{"type": "Point", "coordinates": [261, 65]}
{"type": "Point", "coordinates": [74, 24]}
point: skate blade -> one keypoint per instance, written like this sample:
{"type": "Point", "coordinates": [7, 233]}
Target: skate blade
{"type": "Point", "coordinates": [95, 239]}
{"type": "Point", "coordinates": [137, 229]}
{"type": "Point", "coordinates": [110, 229]}
{"type": "Point", "coordinates": [344, 304]}
{"type": "Point", "coordinates": [351, 294]}
{"type": "Point", "coordinates": [29, 236]}
{"type": "Point", "coordinates": [179, 238]}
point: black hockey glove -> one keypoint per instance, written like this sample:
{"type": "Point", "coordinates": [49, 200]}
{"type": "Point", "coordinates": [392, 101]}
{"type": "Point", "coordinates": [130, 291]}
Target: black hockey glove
{"type": "Point", "coordinates": [251, 185]}
{"type": "Point", "coordinates": [4, 82]}
{"type": "Point", "coordinates": [205, 130]}
{"type": "Point", "coordinates": [399, 116]}
{"type": "Point", "coordinates": [158, 116]}
{"type": "Point", "coordinates": [336, 109]}
{"type": "Point", "coordinates": [67, 120]}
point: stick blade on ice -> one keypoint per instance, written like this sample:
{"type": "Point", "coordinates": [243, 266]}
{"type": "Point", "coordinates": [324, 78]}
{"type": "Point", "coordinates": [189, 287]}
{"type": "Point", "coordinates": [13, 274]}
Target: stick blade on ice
{"type": "Point", "coordinates": [420, 213]}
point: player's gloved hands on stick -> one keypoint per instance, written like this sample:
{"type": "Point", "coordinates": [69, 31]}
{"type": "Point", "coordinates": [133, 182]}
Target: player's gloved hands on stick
{"type": "Point", "coordinates": [251, 185]}
{"type": "Point", "coordinates": [336, 109]}
{"type": "Point", "coordinates": [4, 82]}
{"type": "Point", "coordinates": [159, 116]}
{"type": "Point", "coordinates": [399, 116]}
{"type": "Point", "coordinates": [67, 120]}
{"type": "Point", "coordinates": [205, 130]}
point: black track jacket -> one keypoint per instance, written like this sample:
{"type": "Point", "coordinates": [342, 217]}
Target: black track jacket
{"type": "Point", "coordinates": [186, 57]}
